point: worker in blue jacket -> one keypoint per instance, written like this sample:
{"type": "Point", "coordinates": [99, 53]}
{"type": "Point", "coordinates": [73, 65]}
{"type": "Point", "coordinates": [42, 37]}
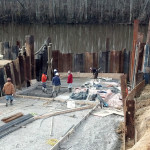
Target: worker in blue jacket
{"type": "Point", "coordinates": [56, 84]}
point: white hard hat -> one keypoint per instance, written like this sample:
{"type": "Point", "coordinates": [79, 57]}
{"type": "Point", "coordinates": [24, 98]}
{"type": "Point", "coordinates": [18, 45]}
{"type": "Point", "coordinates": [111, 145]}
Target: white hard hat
{"type": "Point", "coordinates": [55, 69]}
{"type": "Point", "coordinates": [57, 74]}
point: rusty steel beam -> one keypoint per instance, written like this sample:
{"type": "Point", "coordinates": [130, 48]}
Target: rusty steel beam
{"type": "Point", "coordinates": [8, 70]}
{"type": "Point", "coordinates": [55, 55]}
{"type": "Point", "coordinates": [141, 54]}
{"type": "Point", "coordinates": [112, 61]}
{"type": "Point", "coordinates": [107, 55]}
{"type": "Point", "coordinates": [22, 70]}
{"type": "Point", "coordinates": [129, 122]}
{"type": "Point", "coordinates": [79, 63]}
{"type": "Point", "coordinates": [28, 68]}
{"type": "Point", "coordinates": [88, 61]}
{"type": "Point", "coordinates": [24, 66]}
{"type": "Point", "coordinates": [67, 62]}
{"type": "Point", "coordinates": [95, 60]}
{"type": "Point", "coordinates": [135, 37]}
{"type": "Point", "coordinates": [30, 52]}
{"type": "Point", "coordinates": [16, 68]}
{"type": "Point", "coordinates": [12, 74]}
{"type": "Point", "coordinates": [148, 35]}
{"type": "Point", "coordinates": [121, 60]}
{"type": "Point", "coordinates": [60, 62]}
{"type": "Point", "coordinates": [102, 61]}
{"type": "Point", "coordinates": [117, 62]}
{"type": "Point", "coordinates": [124, 93]}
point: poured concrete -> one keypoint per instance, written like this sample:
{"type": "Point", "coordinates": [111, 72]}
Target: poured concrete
{"type": "Point", "coordinates": [94, 133]}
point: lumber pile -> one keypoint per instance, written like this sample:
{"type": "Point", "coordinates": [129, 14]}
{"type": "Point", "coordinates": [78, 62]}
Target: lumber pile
{"type": "Point", "coordinates": [15, 124]}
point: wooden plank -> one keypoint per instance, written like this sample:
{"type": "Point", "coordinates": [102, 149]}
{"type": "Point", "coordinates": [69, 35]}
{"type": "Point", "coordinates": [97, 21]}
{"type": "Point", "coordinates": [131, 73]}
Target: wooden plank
{"type": "Point", "coordinates": [12, 117]}
{"type": "Point", "coordinates": [63, 112]}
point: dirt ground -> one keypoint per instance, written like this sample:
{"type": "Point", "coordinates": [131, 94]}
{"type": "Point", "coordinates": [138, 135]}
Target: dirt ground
{"type": "Point", "coordinates": [142, 122]}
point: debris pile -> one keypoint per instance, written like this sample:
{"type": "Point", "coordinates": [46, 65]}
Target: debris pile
{"type": "Point", "coordinates": [104, 90]}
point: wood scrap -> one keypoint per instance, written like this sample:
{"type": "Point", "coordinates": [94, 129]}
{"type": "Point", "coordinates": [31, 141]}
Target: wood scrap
{"type": "Point", "coordinates": [12, 117]}
{"type": "Point", "coordinates": [63, 112]}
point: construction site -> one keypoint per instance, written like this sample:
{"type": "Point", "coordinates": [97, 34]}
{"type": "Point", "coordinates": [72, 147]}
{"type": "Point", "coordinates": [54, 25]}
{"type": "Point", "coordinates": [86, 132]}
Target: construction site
{"type": "Point", "coordinates": [106, 112]}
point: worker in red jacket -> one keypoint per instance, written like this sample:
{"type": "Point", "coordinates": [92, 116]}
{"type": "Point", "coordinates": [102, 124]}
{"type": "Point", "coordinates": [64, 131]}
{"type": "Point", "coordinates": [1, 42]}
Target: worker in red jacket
{"type": "Point", "coordinates": [70, 80]}
{"type": "Point", "coordinates": [44, 79]}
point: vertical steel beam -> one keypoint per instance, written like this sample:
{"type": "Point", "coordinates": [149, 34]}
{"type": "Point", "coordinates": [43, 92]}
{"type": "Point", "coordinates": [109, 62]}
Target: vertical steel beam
{"type": "Point", "coordinates": [67, 62]}
{"type": "Point", "coordinates": [16, 68]}
{"type": "Point", "coordinates": [28, 67]}
{"type": "Point", "coordinates": [12, 74]}
{"type": "Point", "coordinates": [49, 70]}
{"type": "Point", "coordinates": [55, 55]}
{"type": "Point", "coordinates": [79, 62]}
{"type": "Point", "coordinates": [148, 35]}
{"type": "Point", "coordinates": [135, 37]}
{"type": "Point", "coordinates": [22, 73]}
{"type": "Point", "coordinates": [129, 122]}
{"type": "Point", "coordinates": [123, 87]}
{"type": "Point", "coordinates": [88, 61]}
{"type": "Point", "coordinates": [30, 52]}
{"type": "Point", "coordinates": [1, 48]}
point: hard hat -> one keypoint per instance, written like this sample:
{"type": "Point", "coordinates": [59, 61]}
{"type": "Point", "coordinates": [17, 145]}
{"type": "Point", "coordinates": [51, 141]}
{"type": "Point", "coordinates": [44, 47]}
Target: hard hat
{"type": "Point", "coordinates": [57, 74]}
{"type": "Point", "coordinates": [8, 79]}
{"type": "Point", "coordinates": [55, 69]}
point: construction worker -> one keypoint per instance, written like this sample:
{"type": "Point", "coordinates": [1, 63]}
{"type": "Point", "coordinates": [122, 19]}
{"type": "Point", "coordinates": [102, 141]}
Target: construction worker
{"type": "Point", "coordinates": [9, 91]}
{"type": "Point", "coordinates": [44, 79]}
{"type": "Point", "coordinates": [95, 72]}
{"type": "Point", "coordinates": [70, 80]}
{"type": "Point", "coordinates": [56, 84]}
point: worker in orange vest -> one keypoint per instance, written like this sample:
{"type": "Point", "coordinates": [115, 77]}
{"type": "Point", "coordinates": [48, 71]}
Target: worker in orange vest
{"type": "Point", "coordinates": [44, 79]}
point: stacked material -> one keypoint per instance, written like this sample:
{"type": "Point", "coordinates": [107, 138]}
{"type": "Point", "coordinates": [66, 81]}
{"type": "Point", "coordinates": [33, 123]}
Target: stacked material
{"type": "Point", "coordinates": [105, 90]}
{"type": "Point", "coordinates": [15, 124]}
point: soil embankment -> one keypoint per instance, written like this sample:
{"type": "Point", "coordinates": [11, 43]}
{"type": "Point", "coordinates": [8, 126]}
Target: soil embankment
{"type": "Point", "coordinates": [142, 121]}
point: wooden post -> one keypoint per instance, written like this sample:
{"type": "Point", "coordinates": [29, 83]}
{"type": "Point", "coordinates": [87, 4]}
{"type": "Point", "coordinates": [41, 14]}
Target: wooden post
{"type": "Point", "coordinates": [49, 62]}
{"type": "Point", "coordinates": [30, 52]}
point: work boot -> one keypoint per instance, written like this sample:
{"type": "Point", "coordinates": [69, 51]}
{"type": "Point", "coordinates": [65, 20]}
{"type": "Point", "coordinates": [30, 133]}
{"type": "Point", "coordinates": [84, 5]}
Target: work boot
{"type": "Point", "coordinates": [70, 90]}
{"type": "Point", "coordinates": [11, 102]}
{"type": "Point", "coordinates": [43, 89]}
